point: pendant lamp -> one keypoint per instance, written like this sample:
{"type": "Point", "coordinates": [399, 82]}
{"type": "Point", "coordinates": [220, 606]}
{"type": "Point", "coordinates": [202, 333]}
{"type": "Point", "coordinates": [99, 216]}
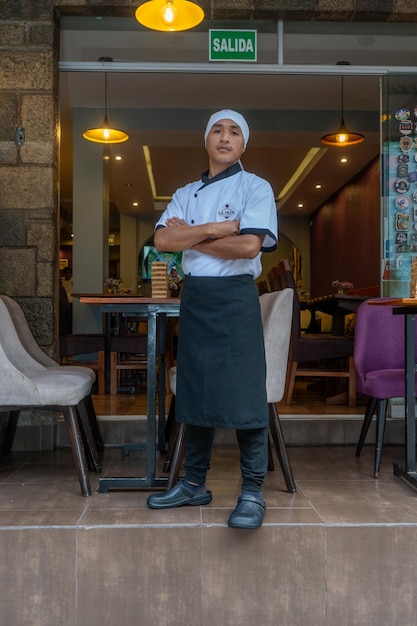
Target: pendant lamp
{"type": "Point", "coordinates": [105, 134]}
{"type": "Point", "coordinates": [342, 137]}
{"type": "Point", "coordinates": [169, 15]}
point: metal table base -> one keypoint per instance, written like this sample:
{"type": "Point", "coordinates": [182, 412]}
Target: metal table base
{"type": "Point", "coordinates": [155, 310]}
{"type": "Point", "coordinates": [407, 469]}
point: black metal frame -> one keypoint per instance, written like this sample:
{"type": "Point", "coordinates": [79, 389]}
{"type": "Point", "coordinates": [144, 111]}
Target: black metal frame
{"type": "Point", "coordinates": [156, 314]}
{"type": "Point", "coordinates": [407, 470]}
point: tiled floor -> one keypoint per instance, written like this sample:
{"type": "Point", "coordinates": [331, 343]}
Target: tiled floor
{"type": "Point", "coordinates": [339, 552]}
{"type": "Point", "coordinates": [332, 487]}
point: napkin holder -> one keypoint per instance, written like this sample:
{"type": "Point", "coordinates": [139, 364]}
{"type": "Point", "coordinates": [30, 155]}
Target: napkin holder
{"type": "Point", "coordinates": [159, 279]}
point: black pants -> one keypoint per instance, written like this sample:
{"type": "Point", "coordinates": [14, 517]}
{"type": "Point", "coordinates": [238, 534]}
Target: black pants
{"type": "Point", "coordinates": [253, 444]}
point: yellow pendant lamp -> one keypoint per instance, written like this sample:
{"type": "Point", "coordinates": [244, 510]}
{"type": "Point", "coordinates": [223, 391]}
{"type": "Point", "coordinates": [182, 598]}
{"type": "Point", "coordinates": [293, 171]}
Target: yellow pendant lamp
{"type": "Point", "coordinates": [342, 137]}
{"type": "Point", "coordinates": [105, 134]}
{"type": "Point", "coordinates": [169, 15]}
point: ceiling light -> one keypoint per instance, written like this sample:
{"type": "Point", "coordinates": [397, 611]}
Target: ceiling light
{"type": "Point", "coordinates": [105, 134]}
{"type": "Point", "coordinates": [169, 15]}
{"type": "Point", "coordinates": [342, 137]}
{"type": "Point", "coordinates": [318, 186]}
{"type": "Point", "coordinates": [343, 160]}
{"type": "Point", "coordinates": [300, 205]}
{"type": "Point", "coordinates": [309, 161]}
{"type": "Point", "coordinates": [135, 203]}
{"type": "Point", "coordinates": [118, 158]}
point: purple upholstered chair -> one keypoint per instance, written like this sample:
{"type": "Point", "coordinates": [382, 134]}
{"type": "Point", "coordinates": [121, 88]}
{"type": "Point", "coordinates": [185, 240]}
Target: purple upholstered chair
{"type": "Point", "coordinates": [379, 357]}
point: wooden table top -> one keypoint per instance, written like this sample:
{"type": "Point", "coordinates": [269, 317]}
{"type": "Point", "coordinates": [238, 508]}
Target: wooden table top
{"type": "Point", "coordinates": [122, 298]}
{"type": "Point", "coordinates": [395, 301]}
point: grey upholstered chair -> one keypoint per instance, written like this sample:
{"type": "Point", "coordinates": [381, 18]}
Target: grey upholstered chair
{"type": "Point", "coordinates": [28, 341]}
{"type": "Point", "coordinates": [27, 382]}
{"type": "Point", "coordinates": [276, 311]}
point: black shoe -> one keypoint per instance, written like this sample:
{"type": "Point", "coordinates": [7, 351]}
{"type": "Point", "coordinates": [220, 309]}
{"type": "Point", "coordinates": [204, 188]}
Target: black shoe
{"type": "Point", "coordinates": [249, 512]}
{"type": "Point", "coordinates": [179, 495]}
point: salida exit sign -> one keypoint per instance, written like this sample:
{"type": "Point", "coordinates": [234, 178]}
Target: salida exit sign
{"type": "Point", "coordinates": [232, 45]}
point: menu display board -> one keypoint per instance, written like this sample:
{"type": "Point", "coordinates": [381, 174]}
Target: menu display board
{"type": "Point", "coordinates": [400, 186]}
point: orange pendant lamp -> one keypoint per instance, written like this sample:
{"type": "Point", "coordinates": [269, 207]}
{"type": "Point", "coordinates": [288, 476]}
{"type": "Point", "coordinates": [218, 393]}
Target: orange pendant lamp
{"type": "Point", "coordinates": [105, 133]}
{"type": "Point", "coordinates": [342, 137]}
{"type": "Point", "coordinates": [169, 15]}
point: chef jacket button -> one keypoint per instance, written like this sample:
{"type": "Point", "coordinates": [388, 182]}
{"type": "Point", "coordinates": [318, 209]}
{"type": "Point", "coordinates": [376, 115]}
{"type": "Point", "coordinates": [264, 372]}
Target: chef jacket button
{"type": "Point", "coordinates": [192, 221]}
{"type": "Point", "coordinates": [195, 195]}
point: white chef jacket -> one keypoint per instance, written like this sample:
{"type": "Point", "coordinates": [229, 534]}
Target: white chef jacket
{"type": "Point", "coordinates": [234, 194]}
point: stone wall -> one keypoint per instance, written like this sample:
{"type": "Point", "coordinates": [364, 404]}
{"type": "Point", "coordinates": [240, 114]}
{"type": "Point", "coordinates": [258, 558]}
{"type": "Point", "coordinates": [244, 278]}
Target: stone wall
{"type": "Point", "coordinates": [336, 10]}
{"type": "Point", "coordinates": [28, 164]}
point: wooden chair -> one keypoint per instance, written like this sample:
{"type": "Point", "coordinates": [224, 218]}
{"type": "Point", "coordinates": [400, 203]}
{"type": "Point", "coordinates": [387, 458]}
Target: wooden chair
{"type": "Point", "coordinates": [274, 278]}
{"type": "Point", "coordinates": [262, 286]}
{"type": "Point", "coordinates": [316, 355]}
{"type": "Point", "coordinates": [128, 353]}
{"type": "Point", "coordinates": [84, 344]}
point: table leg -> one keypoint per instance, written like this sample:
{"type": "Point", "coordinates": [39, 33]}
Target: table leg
{"type": "Point", "coordinates": [408, 469]}
{"type": "Point", "coordinates": [150, 481]}
{"type": "Point", "coordinates": [151, 399]}
{"type": "Point", "coordinates": [161, 348]}
{"type": "Point", "coordinates": [107, 351]}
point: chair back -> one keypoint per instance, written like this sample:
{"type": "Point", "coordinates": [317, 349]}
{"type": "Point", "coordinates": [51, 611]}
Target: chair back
{"type": "Point", "coordinates": [16, 366]}
{"type": "Point", "coordinates": [13, 350]}
{"type": "Point", "coordinates": [25, 334]}
{"type": "Point", "coordinates": [378, 341]}
{"type": "Point", "coordinates": [286, 279]}
{"type": "Point", "coordinates": [276, 312]}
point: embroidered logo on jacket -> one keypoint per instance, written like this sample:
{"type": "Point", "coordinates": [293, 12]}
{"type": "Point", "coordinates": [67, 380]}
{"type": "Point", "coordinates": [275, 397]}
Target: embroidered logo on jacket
{"type": "Point", "coordinates": [227, 212]}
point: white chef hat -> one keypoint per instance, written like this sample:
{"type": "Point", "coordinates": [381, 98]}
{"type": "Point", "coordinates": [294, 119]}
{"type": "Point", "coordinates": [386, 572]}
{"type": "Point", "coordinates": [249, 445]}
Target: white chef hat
{"type": "Point", "coordinates": [228, 114]}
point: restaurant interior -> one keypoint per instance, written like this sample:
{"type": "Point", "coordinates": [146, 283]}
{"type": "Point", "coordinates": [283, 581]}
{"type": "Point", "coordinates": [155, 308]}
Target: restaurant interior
{"type": "Point", "coordinates": [164, 113]}
{"type": "Point", "coordinates": [343, 530]}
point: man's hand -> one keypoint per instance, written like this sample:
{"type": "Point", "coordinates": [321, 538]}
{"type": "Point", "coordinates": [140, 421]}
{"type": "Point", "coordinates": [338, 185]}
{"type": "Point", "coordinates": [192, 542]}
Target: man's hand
{"type": "Point", "coordinates": [176, 221]}
{"type": "Point", "coordinates": [177, 235]}
{"type": "Point", "coordinates": [217, 229]}
{"type": "Point", "coordinates": [225, 229]}
{"type": "Point", "coordinates": [231, 248]}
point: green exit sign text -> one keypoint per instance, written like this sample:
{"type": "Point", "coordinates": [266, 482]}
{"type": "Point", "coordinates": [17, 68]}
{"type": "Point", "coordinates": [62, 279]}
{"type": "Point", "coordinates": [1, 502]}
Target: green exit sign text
{"type": "Point", "coordinates": [232, 45]}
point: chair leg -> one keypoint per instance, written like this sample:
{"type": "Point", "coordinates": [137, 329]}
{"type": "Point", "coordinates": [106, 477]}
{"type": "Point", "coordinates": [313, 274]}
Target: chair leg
{"type": "Point", "coordinates": [90, 445]}
{"type": "Point", "coordinates": [278, 438]}
{"type": "Point", "coordinates": [170, 421]}
{"type": "Point", "coordinates": [93, 421]}
{"type": "Point", "coordinates": [370, 409]}
{"type": "Point", "coordinates": [381, 411]}
{"type": "Point", "coordinates": [290, 384]}
{"type": "Point", "coordinates": [75, 437]}
{"type": "Point", "coordinates": [113, 373]}
{"type": "Point", "coordinates": [101, 379]}
{"type": "Point", "coordinates": [177, 457]}
{"type": "Point", "coordinates": [171, 435]}
{"type": "Point", "coordinates": [271, 464]}
{"type": "Point", "coordinates": [10, 431]}
{"type": "Point", "coordinates": [352, 383]}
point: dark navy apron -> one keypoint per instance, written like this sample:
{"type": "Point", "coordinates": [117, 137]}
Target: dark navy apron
{"type": "Point", "coordinates": [221, 368]}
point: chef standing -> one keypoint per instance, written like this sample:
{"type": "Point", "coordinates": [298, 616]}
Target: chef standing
{"type": "Point", "coordinates": [222, 223]}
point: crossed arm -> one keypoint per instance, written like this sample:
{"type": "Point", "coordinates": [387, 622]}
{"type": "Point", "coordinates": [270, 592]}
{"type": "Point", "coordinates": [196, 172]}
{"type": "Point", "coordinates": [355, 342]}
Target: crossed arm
{"type": "Point", "coordinates": [218, 239]}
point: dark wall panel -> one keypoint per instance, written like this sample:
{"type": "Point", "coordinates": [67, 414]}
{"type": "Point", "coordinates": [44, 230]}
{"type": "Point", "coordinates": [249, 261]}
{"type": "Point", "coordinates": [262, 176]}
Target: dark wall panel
{"type": "Point", "coordinates": [345, 235]}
